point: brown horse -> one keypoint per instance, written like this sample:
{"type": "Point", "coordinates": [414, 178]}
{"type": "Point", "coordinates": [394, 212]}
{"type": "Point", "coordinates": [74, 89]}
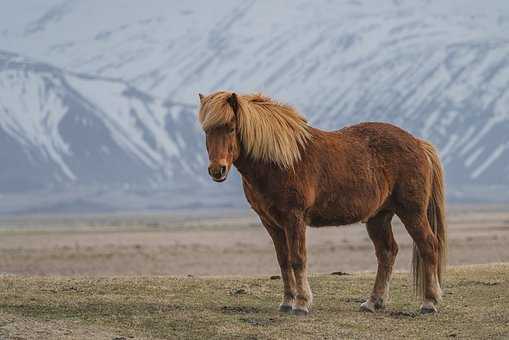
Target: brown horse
{"type": "Point", "coordinates": [295, 175]}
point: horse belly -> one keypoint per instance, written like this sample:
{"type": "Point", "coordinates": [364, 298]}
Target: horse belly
{"type": "Point", "coordinates": [334, 213]}
{"type": "Point", "coordinates": [321, 219]}
{"type": "Point", "coordinates": [324, 221]}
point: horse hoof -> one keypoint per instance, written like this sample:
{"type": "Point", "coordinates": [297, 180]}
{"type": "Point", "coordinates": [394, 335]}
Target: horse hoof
{"type": "Point", "coordinates": [287, 309]}
{"type": "Point", "coordinates": [368, 306]}
{"type": "Point", "coordinates": [300, 312]}
{"type": "Point", "coordinates": [428, 309]}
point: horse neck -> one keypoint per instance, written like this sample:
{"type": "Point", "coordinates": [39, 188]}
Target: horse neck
{"type": "Point", "coordinates": [252, 170]}
{"type": "Point", "coordinates": [258, 172]}
{"type": "Point", "coordinates": [246, 166]}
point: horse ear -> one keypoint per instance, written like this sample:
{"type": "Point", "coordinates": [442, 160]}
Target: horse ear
{"type": "Point", "coordinates": [201, 97]}
{"type": "Point", "coordinates": [234, 102]}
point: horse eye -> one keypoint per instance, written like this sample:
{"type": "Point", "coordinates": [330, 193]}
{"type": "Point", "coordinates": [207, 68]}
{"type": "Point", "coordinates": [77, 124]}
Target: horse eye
{"type": "Point", "coordinates": [231, 130]}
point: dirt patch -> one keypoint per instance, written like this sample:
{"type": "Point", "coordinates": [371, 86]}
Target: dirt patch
{"type": "Point", "coordinates": [239, 310]}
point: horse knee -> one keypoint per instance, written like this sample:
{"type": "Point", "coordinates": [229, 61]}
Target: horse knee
{"type": "Point", "coordinates": [297, 265]}
{"type": "Point", "coordinates": [387, 255]}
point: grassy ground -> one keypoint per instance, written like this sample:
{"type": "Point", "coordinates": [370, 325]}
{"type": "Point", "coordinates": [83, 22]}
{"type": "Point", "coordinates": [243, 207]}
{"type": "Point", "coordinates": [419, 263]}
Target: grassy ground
{"type": "Point", "coordinates": [475, 305]}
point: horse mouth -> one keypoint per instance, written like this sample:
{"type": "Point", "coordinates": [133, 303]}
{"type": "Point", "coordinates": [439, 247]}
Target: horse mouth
{"type": "Point", "coordinates": [219, 180]}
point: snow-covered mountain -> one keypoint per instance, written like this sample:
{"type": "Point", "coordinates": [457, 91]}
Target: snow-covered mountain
{"type": "Point", "coordinates": [58, 128]}
{"type": "Point", "coordinates": [103, 93]}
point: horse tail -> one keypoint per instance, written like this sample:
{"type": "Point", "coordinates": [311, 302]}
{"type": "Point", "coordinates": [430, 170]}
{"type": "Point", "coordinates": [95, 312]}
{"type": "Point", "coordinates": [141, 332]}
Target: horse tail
{"type": "Point", "coordinates": [436, 219]}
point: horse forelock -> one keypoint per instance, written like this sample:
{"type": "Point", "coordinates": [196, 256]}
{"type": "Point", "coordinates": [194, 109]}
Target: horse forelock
{"type": "Point", "coordinates": [215, 110]}
{"type": "Point", "coordinates": [269, 131]}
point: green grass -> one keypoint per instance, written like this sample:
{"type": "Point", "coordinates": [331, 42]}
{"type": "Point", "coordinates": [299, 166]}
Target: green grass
{"type": "Point", "coordinates": [475, 305]}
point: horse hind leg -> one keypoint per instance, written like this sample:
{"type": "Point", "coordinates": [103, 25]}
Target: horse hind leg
{"type": "Point", "coordinates": [426, 258]}
{"type": "Point", "coordinates": [380, 232]}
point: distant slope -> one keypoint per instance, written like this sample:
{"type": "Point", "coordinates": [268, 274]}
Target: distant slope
{"type": "Point", "coordinates": [58, 128]}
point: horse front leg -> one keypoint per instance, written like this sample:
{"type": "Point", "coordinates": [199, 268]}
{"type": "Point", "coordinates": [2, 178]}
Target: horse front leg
{"type": "Point", "coordinates": [279, 238]}
{"type": "Point", "coordinates": [296, 237]}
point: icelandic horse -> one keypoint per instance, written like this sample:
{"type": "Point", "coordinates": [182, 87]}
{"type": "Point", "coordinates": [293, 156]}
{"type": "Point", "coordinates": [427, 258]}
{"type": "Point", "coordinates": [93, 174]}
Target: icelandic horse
{"type": "Point", "coordinates": [295, 175]}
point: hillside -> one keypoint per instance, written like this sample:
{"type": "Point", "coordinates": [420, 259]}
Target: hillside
{"type": "Point", "coordinates": [60, 127]}
{"type": "Point", "coordinates": [474, 307]}
{"type": "Point", "coordinates": [102, 96]}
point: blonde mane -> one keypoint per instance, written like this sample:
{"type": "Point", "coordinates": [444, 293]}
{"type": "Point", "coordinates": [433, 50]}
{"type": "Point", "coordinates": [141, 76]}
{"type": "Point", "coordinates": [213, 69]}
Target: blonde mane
{"type": "Point", "coordinates": [269, 131]}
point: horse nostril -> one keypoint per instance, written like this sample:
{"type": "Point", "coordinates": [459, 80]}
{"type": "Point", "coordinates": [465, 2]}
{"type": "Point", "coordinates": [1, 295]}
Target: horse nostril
{"type": "Point", "coordinates": [211, 173]}
{"type": "Point", "coordinates": [222, 169]}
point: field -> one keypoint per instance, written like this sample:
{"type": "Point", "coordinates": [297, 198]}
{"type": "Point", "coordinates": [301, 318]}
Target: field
{"type": "Point", "coordinates": [175, 276]}
{"type": "Point", "coordinates": [474, 306]}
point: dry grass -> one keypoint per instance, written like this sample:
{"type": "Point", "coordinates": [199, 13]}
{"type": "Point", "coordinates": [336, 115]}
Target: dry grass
{"type": "Point", "coordinates": [475, 305]}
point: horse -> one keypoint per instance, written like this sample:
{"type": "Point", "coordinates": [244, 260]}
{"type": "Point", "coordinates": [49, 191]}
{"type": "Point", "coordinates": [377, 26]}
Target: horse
{"type": "Point", "coordinates": [294, 176]}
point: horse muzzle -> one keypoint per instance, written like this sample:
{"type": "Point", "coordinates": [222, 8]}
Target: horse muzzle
{"type": "Point", "coordinates": [218, 173]}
